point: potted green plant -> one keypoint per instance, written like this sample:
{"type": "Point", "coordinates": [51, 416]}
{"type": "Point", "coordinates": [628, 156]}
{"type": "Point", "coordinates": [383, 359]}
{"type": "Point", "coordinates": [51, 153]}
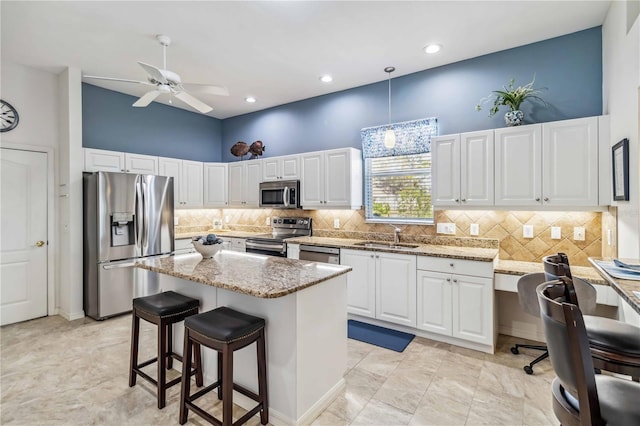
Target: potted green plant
{"type": "Point", "coordinates": [512, 97]}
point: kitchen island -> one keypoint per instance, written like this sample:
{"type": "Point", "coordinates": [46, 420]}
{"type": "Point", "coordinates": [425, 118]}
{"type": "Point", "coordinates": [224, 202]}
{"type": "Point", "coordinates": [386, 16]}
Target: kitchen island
{"type": "Point", "coordinates": [304, 305]}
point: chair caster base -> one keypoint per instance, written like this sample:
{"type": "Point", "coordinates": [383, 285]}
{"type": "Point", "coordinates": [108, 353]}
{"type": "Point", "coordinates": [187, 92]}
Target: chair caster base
{"type": "Point", "coordinates": [527, 369]}
{"type": "Point", "coordinates": [514, 350]}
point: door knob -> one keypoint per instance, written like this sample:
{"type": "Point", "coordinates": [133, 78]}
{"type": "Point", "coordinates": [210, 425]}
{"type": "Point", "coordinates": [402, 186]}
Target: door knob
{"type": "Point", "coordinates": [40, 243]}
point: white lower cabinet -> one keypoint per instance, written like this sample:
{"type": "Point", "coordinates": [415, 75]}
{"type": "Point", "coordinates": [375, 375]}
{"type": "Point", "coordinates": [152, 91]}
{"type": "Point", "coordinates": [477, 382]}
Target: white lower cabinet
{"type": "Point", "coordinates": [381, 285]}
{"type": "Point", "coordinates": [235, 244]}
{"type": "Point", "coordinates": [455, 298]}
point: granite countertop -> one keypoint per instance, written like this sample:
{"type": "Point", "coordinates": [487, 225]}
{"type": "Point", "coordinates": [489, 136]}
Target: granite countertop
{"type": "Point", "coordinates": [624, 288]}
{"type": "Point", "coordinates": [514, 267]}
{"type": "Point", "coordinates": [453, 252]}
{"type": "Point", "coordinates": [260, 276]}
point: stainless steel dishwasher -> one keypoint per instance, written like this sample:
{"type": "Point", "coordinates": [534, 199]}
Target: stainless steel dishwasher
{"type": "Point", "coordinates": [320, 254]}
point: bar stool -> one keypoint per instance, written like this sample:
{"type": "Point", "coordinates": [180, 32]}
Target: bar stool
{"type": "Point", "coordinates": [163, 310]}
{"type": "Point", "coordinates": [225, 331]}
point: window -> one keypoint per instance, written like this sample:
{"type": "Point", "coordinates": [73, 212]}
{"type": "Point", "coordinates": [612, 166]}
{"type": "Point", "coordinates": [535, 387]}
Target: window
{"type": "Point", "coordinates": [398, 180]}
{"type": "Point", "coordinates": [399, 188]}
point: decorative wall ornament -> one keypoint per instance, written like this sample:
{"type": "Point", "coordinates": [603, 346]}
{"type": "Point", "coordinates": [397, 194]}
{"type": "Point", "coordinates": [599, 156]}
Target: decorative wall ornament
{"type": "Point", "coordinates": [412, 137]}
{"type": "Point", "coordinates": [240, 149]}
{"type": "Point", "coordinates": [256, 149]}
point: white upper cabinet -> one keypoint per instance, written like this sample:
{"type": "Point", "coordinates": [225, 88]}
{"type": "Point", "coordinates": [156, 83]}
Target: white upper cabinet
{"type": "Point", "coordinates": [551, 164]}
{"type": "Point", "coordinates": [332, 179]}
{"type": "Point", "coordinates": [244, 183]}
{"type": "Point", "coordinates": [215, 184]}
{"type": "Point", "coordinates": [281, 168]}
{"type": "Point", "coordinates": [570, 162]}
{"type": "Point", "coordinates": [463, 169]}
{"type": "Point", "coordinates": [518, 166]}
{"type": "Point", "coordinates": [187, 180]}
{"type": "Point", "coordinates": [100, 160]}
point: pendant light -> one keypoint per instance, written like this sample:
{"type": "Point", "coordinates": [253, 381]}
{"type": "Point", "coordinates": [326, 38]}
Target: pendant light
{"type": "Point", "coordinates": [389, 135]}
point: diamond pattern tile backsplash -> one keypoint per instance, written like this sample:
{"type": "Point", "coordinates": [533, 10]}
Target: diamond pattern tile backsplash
{"type": "Point", "coordinates": [505, 227]}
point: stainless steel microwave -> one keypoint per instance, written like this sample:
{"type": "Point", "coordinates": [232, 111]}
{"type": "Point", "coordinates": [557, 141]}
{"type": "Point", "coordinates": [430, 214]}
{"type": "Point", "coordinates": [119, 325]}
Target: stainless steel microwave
{"type": "Point", "coordinates": [282, 194]}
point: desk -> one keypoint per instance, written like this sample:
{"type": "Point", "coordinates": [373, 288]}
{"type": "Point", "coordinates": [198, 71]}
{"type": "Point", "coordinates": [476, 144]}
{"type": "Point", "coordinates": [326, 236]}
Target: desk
{"type": "Point", "coordinates": [624, 288]}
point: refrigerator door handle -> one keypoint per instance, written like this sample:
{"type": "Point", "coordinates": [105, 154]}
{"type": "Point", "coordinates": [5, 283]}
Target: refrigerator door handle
{"type": "Point", "coordinates": [119, 265]}
{"type": "Point", "coordinates": [139, 215]}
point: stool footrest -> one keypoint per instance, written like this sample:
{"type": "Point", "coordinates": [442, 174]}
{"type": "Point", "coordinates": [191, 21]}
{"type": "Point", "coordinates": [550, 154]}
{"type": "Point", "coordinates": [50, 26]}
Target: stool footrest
{"type": "Point", "coordinates": [147, 362]}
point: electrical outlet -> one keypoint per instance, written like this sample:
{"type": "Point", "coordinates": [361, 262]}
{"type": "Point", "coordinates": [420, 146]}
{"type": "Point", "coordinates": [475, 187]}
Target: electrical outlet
{"type": "Point", "coordinates": [227, 219]}
{"type": "Point", "coordinates": [556, 232]}
{"type": "Point", "coordinates": [578, 233]}
{"type": "Point", "coordinates": [268, 221]}
{"type": "Point", "coordinates": [609, 237]}
{"type": "Point", "coordinates": [176, 220]}
{"type": "Point", "coordinates": [527, 231]}
{"type": "Point", "coordinates": [446, 228]}
{"type": "Point", "coordinates": [474, 229]}
{"type": "Point", "coordinates": [336, 223]}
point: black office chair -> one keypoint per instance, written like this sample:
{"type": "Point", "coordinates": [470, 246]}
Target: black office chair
{"type": "Point", "coordinates": [528, 299]}
{"type": "Point", "coordinates": [579, 396]}
{"type": "Point", "coordinates": [615, 345]}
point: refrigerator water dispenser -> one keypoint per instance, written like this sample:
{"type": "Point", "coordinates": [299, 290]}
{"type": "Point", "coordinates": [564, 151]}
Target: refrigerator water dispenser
{"type": "Point", "coordinates": [122, 229]}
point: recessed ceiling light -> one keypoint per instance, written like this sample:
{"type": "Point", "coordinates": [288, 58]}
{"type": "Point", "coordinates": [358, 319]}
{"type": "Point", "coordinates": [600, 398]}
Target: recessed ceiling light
{"type": "Point", "coordinates": [326, 78]}
{"type": "Point", "coordinates": [250, 99]}
{"type": "Point", "coordinates": [432, 48]}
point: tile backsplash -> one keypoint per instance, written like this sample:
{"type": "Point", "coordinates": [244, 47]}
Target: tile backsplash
{"type": "Point", "coordinates": [502, 229]}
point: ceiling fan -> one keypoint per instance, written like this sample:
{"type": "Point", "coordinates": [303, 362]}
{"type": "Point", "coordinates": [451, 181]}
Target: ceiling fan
{"type": "Point", "coordinates": [166, 81]}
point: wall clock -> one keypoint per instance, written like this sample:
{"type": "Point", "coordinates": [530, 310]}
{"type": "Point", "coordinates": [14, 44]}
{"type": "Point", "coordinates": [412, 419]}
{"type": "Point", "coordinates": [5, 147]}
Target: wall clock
{"type": "Point", "coordinates": [8, 116]}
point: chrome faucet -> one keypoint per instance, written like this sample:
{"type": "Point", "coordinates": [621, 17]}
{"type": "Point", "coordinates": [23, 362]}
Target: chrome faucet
{"type": "Point", "coordinates": [396, 233]}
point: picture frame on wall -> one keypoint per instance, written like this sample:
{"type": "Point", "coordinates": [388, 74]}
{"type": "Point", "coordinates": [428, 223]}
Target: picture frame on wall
{"type": "Point", "coordinates": [620, 158]}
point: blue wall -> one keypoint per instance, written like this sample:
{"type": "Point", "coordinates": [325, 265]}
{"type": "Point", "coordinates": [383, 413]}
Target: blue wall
{"type": "Point", "coordinates": [110, 122]}
{"type": "Point", "coordinates": [570, 67]}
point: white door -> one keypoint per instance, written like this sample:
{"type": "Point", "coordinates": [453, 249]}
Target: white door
{"type": "Point", "coordinates": [472, 301]}
{"type": "Point", "coordinates": [396, 288]}
{"type": "Point", "coordinates": [141, 164]}
{"type": "Point", "coordinates": [290, 168]}
{"type": "Point", "coordinates": [434, 302]}
{"type": "Point", "coordinates": [215, 184]}
{"type": "Point", "coordinates": [270, 169]}
{"type": "Point", "coordinates": [236, 184]}
{"type": "Point", "coordinates": [173, 168]}
{"type": "Point", "coordinates": [518, 166]}
{"type": "Point", "coordinates": [100, 160]}
{"type": "Point", "coordinates": [311, 182]}
{"type": "Point", "coordinates": [445, 153]}
{"type": "Point", "coordinates": [570, 162]}
{"type": "Point", "coordinates": [337, 178]}
{"type": "Point", "coordinates": [361, 282]}
{"type": "Point", "coordinates": [476, 168]}
{"type": "Point", "coordinates": [192, 183]}
{"type": "Point", "coordinates": [253, 173]}
{"type": "Point", "coordinates": [23, 235]}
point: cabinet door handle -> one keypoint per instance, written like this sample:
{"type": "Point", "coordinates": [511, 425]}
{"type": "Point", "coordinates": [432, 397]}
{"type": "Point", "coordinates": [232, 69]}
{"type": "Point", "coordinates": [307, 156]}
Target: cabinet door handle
{"type": "Point", "coordinates": [372, 256]}
{"type": "Point", "coordinates": [451, 264]}
{"type": "Point", "coordinates": [538, 199]}
{"type": "Point", "coordinates": [455, 281]}
{"type": "Point", "coordinates": [456, 200]}
{"type": "Point", "coordinates": [464, 200]}
{"type": "Point", "coordinates": [546, 198]}
{"type": "Point", "coordinates": [448, 280]}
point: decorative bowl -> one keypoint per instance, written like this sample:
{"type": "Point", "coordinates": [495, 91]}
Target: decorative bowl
{"type": "Point", "coordinates": [207, 251]}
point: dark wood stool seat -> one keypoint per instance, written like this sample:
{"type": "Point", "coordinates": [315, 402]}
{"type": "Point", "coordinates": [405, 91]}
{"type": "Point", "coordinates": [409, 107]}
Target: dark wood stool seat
{"type": "Point", "coordinates": [163, 310]}
{"type": "Point", "coordinates": [224, 330]}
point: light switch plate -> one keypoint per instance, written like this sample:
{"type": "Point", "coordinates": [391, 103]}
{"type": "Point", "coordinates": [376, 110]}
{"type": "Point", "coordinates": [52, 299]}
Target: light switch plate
{"type": "Point", "coordinates": [556, 232]}
{"type": "Point", "coordinates": [578, 233]}
{"type": "Point", "coordinates": [527, 231]}
{"type": "Point", "coordinates": [446, 228]}
{"type": "Point", "coordinates": [176, 220]}
{"type": "Point", "coordinates": [268, 221]}
{"type": "Point", "coordinates": [336, 223]}
{"type": "Point", "coordinates": [474, 229]}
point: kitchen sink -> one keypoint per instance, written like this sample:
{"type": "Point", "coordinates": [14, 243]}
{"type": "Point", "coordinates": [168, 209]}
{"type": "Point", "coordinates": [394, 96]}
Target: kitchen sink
{"type": "Point", "coordinates": [384, 245]}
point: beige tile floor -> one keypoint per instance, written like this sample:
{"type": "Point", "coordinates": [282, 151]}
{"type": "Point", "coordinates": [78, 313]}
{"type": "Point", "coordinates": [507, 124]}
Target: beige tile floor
{"type": "Point", "coordinates": [56, 372]}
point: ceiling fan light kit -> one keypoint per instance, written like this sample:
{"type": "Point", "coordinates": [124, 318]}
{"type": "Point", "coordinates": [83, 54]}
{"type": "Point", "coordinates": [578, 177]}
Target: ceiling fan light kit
{"type": "Point", "coordinates": [169, 82]}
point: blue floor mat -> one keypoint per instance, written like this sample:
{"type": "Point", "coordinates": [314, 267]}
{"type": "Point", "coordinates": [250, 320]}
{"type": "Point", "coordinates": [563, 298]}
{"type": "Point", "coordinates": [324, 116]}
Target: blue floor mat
{"type": "Point", "coordinates": [379, 336]}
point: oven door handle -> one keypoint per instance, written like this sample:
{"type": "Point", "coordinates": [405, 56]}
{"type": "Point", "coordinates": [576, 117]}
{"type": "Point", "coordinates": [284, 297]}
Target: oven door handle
{"type": "Point", "coordinates": [261, 246]}
{"type": "Point", "coordinates": [285, 196]}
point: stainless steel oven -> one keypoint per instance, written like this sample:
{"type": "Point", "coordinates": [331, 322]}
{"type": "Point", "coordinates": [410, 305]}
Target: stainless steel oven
{"type": "Point", "coordinates": [275, 244]}
{"type": "Point", "coordinates": [282, 194]}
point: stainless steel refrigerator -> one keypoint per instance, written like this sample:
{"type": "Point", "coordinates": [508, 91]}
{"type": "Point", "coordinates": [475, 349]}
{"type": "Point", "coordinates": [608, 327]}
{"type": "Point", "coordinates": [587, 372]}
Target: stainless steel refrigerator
{"type": "Point", "coordinates": [126, 217]}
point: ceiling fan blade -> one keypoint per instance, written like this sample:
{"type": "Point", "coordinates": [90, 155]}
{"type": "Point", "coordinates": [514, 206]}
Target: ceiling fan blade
{"type": "Point", "coordinates": [153, 72]}
{"type": "Point", "coordinates": [193, 102]}
{"type": "Point", "coordinates": [147, 98]}
{"type": "Point", "coordinates": [206, 89]}
{"type": "Point", "coordinates": [95, 77]}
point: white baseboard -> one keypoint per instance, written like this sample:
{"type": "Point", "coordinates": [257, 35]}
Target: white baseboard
{"type": "Point", "coordinates": [326, 400]}
{"type": "Point", "coordinates": [70, 316]}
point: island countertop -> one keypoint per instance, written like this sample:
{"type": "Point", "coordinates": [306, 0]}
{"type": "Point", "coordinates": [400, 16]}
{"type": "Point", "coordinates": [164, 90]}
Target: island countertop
{"type": "Point", "coordinates": [625, 288]}
{"type": "Point", "coordinates": [256, 275]}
